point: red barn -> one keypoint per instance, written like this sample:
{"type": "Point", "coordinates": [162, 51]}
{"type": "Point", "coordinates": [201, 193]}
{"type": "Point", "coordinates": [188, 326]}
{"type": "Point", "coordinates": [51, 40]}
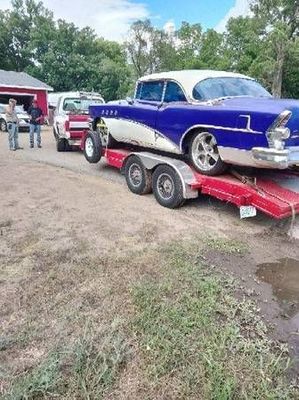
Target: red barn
{"type": "Point", "coordinates": [24, 88]}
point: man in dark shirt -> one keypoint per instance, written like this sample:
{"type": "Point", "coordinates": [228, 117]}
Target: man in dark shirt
{"type": "Point", "coordinates": [36, 116]}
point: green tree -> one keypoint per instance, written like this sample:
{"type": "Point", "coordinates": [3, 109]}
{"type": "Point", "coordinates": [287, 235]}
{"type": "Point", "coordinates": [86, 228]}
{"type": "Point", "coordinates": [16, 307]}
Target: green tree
{"type": "Point", "coordinates": [281, 27]}
{"type": "Point", "coordinates": [212, 53]}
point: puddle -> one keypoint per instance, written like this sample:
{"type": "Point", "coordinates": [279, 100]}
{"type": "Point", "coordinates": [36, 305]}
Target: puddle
{"type": "Point", "coordinates": [283, 276]}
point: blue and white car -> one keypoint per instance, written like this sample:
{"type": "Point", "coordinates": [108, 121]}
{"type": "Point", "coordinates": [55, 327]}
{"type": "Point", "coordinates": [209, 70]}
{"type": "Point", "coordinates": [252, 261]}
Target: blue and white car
{"type": "Point", "coordinates": [215, 118]}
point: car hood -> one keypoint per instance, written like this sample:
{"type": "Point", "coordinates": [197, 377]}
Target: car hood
{"type": "Point", "coordinates": [23, 116]}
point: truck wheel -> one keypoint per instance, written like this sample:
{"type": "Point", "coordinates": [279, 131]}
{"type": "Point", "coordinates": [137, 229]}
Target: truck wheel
{"type": "Point", "coordinates": [60, 145]}
{"type": "Point", "coordinates": [168, 187]}
{"type": "Point", "coordinates": [68, 147]}
{"type": "Point", "coordinates": [139, 179]}
{"type": "Point", "coordinates": [92, 147]}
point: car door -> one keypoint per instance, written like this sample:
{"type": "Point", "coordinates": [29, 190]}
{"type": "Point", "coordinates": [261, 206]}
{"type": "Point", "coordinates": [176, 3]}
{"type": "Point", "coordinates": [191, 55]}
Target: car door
{"type": "Point", "coordinates": [170, 117]}
{"type": "Point", "coordinates": [136, 122]}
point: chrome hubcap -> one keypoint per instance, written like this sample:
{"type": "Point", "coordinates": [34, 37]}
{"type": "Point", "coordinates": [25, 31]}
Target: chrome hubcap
{"type": "Point", "coordinates": [165, 186]}
{"type": "Point", "coordinates": [89, 147]}
{"type": "Point", "coordinates": [205, 152]}
{"type": "Point", "coordinates": [135, 175]}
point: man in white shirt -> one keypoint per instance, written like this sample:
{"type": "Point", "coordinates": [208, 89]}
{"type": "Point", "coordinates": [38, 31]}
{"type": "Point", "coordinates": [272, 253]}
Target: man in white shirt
{"type": "Point", "coordinates": [12, 125]}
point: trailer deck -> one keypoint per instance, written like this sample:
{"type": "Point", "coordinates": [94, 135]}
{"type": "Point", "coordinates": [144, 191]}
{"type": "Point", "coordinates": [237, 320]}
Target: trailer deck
{"type": "Point", "coordinates": [275, 193]}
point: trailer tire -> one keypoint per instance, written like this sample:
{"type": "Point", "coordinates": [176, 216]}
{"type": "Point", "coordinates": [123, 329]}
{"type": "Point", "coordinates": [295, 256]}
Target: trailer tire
{"type": "Point", "coordinates": [168, 187]}
{"type": "Point", "coordinates": [138, 178]}
{"type": "Point", "coordinates": [92, 147]}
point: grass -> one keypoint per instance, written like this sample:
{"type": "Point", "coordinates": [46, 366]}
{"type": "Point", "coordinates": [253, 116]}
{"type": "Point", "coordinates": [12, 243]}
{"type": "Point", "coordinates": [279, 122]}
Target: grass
{"type": "Point", "coordinates": [38, 383]}
{"type": "Point", "coordinates": [85, 371]}
{"type": "Point", "coordinates": [97, 363]}
{"type": "Point", "coordinates": [228, 246]}
{"type": "Point", "coordinates": [192, 338]}
{"type": "Point", "coordinates": [196, 336]}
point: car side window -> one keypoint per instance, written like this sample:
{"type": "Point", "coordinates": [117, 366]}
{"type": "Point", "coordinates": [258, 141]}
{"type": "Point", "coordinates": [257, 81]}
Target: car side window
{"type": "Point", "coordinates": [151, 91]}
{"type": "Point", "coordinates": [174, 93]}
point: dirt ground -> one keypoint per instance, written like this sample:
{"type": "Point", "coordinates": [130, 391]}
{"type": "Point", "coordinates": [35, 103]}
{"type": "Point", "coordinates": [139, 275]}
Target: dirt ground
{"type": "Point", "coordinates": [56, 206]}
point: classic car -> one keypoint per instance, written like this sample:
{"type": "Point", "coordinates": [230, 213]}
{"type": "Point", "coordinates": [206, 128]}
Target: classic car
{"type": "Point", "coordinates": [216, 118]}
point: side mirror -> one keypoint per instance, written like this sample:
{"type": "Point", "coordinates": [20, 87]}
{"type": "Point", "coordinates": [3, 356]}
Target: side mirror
{"type": "Point", "coordinates": [130, 100]}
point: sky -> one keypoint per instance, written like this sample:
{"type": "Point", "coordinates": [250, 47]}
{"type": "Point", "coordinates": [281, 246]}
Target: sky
{"type": "Point", "coordinates": [111, 19]}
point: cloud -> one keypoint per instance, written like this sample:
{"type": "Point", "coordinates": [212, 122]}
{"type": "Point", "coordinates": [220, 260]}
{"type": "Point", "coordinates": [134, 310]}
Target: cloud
{"type": "Point", "coordinates": [241, 8]}
{"type": "Point", "coordinates": [110, 19]}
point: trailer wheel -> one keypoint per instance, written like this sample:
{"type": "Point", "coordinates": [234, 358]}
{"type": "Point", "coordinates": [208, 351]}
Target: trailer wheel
{"type": "Point", "coordinates": [92, 147]}
{"type": "Point", "coordinates": [139, 179]}
{"type": "Point", "coordinates": [168, 187]}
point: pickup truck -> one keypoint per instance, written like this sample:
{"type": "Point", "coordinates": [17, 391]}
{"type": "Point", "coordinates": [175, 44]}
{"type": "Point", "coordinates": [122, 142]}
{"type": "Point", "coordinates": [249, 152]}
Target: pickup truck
{"type": "Point", "coordinates": [71, 116]}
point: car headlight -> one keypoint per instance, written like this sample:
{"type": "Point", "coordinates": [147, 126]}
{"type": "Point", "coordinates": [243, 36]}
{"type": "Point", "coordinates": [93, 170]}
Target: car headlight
{"type": "Point", "coordinates": [278, 133]}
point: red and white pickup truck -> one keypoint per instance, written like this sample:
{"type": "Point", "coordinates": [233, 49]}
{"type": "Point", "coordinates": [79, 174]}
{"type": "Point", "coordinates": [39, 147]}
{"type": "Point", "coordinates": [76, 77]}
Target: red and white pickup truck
{"type": "Point", "coordinates": [71, 116]}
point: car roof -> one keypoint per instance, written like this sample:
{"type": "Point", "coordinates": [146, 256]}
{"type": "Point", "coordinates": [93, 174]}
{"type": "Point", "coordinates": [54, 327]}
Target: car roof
{"type": "Point", "coordinates": [189, 78]}
{"type": "Point", "coordinates": [54, 97]}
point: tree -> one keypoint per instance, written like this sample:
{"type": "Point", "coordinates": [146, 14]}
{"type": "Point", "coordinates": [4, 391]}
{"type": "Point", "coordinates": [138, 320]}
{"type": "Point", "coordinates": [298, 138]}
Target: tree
{"type": "Point", "coordinates": [212, 53]}
{"type": "Point", "coordinates": [189, 42]}
{"type": "Point", "coordinates": [281, 26]}
{"type": "Point", "coordinates": [139, 47]}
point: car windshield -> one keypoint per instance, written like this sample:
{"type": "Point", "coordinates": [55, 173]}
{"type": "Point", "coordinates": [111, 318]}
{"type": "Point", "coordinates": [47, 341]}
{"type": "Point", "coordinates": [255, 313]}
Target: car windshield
{"type": "Point", "coordinates": [217, 88]}
{"type": "Point", "coordinates": [79, 104]}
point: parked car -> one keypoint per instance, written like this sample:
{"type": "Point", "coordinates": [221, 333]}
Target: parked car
{"type": "Point", "coordinates": [215, 118]}
{"type": "Point", "coordinates": [22, 115]}
{"type": "Point", "coordinates": [71, 116]}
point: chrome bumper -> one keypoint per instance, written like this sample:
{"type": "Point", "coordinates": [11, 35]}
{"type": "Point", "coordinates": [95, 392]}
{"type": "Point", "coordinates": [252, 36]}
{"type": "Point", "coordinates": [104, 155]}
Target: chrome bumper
{"type": "Point", "coordinates": [268, 157]}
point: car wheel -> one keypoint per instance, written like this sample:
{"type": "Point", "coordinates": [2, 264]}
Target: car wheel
{"type": "Point", "coordinates": [92, 147]}
{"type": "Point", "coordinates": [60, 145]}
{"type": "Point", "coordinates": [168, 187]}
{"type": "Point", "coordinates": [3, 125]}
{"type": "Point", "coordinates": [204, 154]}
{"type": "Point", "coordinates": [139, 179]}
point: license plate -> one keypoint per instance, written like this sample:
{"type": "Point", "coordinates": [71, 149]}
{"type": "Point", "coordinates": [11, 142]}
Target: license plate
{"type": "Point", "coordinates": [247, 212]}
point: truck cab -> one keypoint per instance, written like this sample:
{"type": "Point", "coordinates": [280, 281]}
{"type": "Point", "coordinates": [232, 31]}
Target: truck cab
{"type": "Point", "coordinates": [71, 116]}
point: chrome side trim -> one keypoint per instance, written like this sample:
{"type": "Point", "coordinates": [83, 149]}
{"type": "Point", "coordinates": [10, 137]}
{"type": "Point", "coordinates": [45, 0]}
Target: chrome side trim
{"type": "Point", "coordinates": [222, 128]}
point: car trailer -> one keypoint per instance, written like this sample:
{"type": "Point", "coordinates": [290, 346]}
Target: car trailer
{"type": "Point", "coordinates": [173, 181]}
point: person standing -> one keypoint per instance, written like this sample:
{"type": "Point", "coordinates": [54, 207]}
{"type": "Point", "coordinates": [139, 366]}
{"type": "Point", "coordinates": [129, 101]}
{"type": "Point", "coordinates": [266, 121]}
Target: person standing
{"type": "Point", "coordinates": [36, 116]}
{"type": "Point", "coordinates": [12, 122]}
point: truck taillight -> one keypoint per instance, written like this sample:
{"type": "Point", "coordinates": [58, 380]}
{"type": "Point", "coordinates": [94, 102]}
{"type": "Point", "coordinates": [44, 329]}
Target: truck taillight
{"type": "Point", "coordinates": [67, 125]}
